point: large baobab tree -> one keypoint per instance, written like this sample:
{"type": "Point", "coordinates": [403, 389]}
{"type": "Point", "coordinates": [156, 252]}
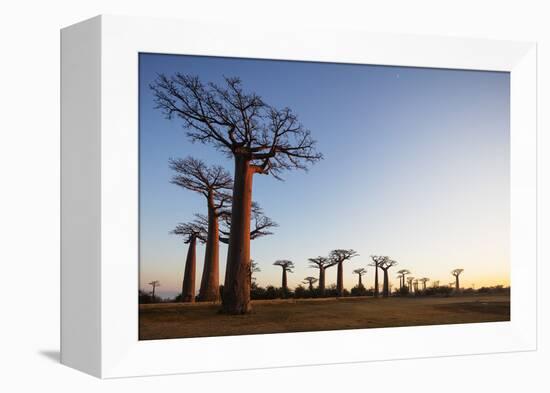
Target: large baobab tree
{"type": "Point", "coordinates": [310, 281]}
{"type": "Point", "coordinates": [321, 263]}
{"type": "Point", "coordinates": [360, 273]}
{"type": "Point", "coordinates": [191, 232]}
{"type": "Point", "coordinates": [261, 139]}
{"type": "Point", "coordinates": [415, 285]}
{"type": "Point", "coordinates": [424, 280]}
{"type": "Point", "coordinates": [402, 274]}
{"type": "Point", "coordinates": [287, 266]}
{"type": "Point", "coordinates": [377, 260]}
{"type": "Point", "coordinates": [154, 284]}
{"type": "Point", "coordinates": [213, 183]}
{"type": "Point", "coordinates": [338, 257]}
{"type": "Point", "coordinates": [457, 273]}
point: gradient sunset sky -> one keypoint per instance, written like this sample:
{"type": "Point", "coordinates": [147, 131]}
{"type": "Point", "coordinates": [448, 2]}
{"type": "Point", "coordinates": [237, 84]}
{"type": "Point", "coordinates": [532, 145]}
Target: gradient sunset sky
{"type": "Point", "coordinates": [416, 167]}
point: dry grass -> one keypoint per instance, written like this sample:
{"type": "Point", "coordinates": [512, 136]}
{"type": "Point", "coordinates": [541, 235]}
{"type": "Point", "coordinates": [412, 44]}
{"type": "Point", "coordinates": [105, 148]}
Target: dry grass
{"type": "Point", "coordinates": [177, 320]}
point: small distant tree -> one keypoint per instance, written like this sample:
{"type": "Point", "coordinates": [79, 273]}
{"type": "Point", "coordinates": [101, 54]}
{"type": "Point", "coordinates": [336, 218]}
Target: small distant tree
{"type": "Point", "coordinates": [254, 268]}
{"type": "Point", "coordinates": [287, 266]}
{"type": "Point", "coordinates": [435, 284]}
{"type": "Point", "coordinates": [424, 280]}
{"type": "Point", "coordinates": [338, 257]}
{"type": "Point", "coordinates": [377, 261]}
{"type": "Point", "coordinates": [385, 266]}
{"type": "Point", "coordinates": [213, 183]}
{"type": "Point", "coordinates": [410, 281]}
{"type": "Point", "coordinates": [154, 284]}
{"type": "Point", "coordinates": [457, 273]}
{"type": "Point", "coordinates": [402, 275]}
{"type": "Point", "coordinates": [190, 232]}
{"type": "Point", "coordinates": [310, 281]}
{"type": "Point", "coordinates": [415, 284]}
{"type": "Point", "coordinates": [360, 273]}
{"type": "Point", "coordinates": [321, 263]}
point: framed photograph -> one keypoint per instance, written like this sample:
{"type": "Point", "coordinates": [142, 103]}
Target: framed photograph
{"type": "Point", "coordinates": [340, 191]}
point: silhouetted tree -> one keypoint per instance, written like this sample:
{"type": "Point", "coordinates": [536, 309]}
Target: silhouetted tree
{"type": "Point", "coordinates": [287, 266]}
{"type": "Point", "coordinates": [261, 139]}
{"type": "Point", "coordinates": [154, 284]}
{"type": "Point", "coordinates": [377, 260]}
{"type": "Point", "coordinates": [321, 263]}
{"type": "Point", "coordinates": [435, 284]}
{"type": "Point", "coordinates": [254, 268]}
{"type": "Point", "coordinates": [338, 257]}
{"type": "Point", "coordinates": [385, 265]}
{"type": "Point", "coordinates": [212, 183]}
{"type": "Point", "coordinates": [310, 281]}
{"type": "Point", "coordinates": [402, 274]}
{"type": "Point", "coordinates": [424, 280]}
{"type": "Point", "coordinates": [360, 273]}
{"type": "Point", "coordinates": [261, 224]}
{"type": "Point", "coordinates": [457, 273]}
{"type": "Point", "coordinates": [415, 285]}
{"type": "Point", "coordinates": [190, 232]}
{"type": "Point", "coordinates": [410, 281]}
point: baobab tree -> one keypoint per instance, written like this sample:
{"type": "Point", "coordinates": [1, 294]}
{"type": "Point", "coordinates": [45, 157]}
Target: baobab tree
{"type": "Point", "coordinates": [424, 280]}
{"type": "Point", "coordinates": [310, 281]}
{"type": "Point", "coordinates": [402, 274]}
{"type": "Point", "coordinates": [191, 232]}
{"type": "Point", "coordinates": [377, 260]}
{"type": "Point", "coordinates": [385, 266]}
{"type": "Point", "coordinates": [415, 285]}
{"type": "Point", "coordinates": [321, 263]}
{"type": "Point", "coordinates": [435, 284]}
{"type": "Point", "coordinates": [360, 273]}
{"type": "Point", "coordinates": [213, 183]}
{"type": "Point", "coordinates": [287, 266]}
{"type": "Point", "coordinates": [410, 281]}
{"type": "Point", "coordinates": [261, 139]}
{"type": "Point", "coordinates": [457, 273]}
{"type": "Point", "coordinates": [338, 257]}
{"type": "Point", "coordinates": [154, 284]}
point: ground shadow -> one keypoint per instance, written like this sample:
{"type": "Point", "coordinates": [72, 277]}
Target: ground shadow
{"type": "Point", "coordinates": [53, 355]}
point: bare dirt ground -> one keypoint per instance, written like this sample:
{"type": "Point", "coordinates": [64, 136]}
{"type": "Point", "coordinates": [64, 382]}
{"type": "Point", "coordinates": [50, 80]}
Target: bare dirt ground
{"type": "Point", "coordinates": [180, 320]}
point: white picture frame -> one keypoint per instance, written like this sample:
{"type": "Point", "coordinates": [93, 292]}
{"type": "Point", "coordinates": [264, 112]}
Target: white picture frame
{"type": "Point", "coordinates": [99, 251]}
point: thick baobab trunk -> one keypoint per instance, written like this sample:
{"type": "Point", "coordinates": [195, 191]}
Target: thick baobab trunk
{"type": "Point", "coordinates": [188, 286]}
{"type": "Point", "coordinates": [285, 285]}
{"type": "Point", "coordinates": [236, 290]}
{"type": "Point", "coordinates": [376, 281]}
{"type": "Point", "coordinates": [360, 281]}
{"type": "Point", "coordinates": [310, 287]}
{"type": "Point", "coordinates": [321, 281]}
{"type": "Point", "coordinates": [210, 282]}
{"type": "Point", "coordinates": [386, 289]}
{"type": "Point", "coordinates": [340, 279]}
{"type": "Point", "coordinates": [457, 284]}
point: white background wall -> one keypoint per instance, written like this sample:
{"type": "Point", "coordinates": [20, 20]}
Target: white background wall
{"type": "Point", "coordinates": [29, 193]}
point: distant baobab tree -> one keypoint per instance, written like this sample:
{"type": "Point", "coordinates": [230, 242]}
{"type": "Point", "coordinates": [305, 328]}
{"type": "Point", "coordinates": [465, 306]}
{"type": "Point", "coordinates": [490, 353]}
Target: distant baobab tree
{"type": "Point", "coordinates": [213, 183]}
{"type": "Point", "coordinates": [410, 281]}
{"type": "Point", "coordinates": [402, 274]}
{"type": "Point", "coordinates": [424, 280]}
{"type": "Point", "coordinates": [457, 273]}
{"type": "Point", "coordinates": [360, 273]}
{"type": "Point", "coordinates": [338, 257]}
{"type": "Point", "coordinates": [321, 263]}
{"type": "Point", "coordinates": [287, 266]}
{"type": "Point", "coordinates": [415, 285]}
{"type": "Point", "coordinates": [260, 138]}
{"type": "Point", "coordinates": [154, 284]}
{"type": "Point", "coordinates": [385, 266]}
{"type": "Point", "coordinates": [377, 260]}
{"type": "Point", "coordinates": [435, 284]}
{"type": "Point", "coordinates": [191, 232]}
{"type": "Point", "coordinates": [310, 281]}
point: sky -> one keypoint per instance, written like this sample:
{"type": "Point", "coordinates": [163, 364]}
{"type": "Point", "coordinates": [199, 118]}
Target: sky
{"type": "Point", "coordinates": [416, 166]}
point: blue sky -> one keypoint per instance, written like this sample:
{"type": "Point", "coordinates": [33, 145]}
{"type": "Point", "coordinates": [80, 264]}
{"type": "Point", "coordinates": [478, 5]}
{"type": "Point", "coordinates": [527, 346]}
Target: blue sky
{"type": "Point", "coordinates": [416, 166]}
